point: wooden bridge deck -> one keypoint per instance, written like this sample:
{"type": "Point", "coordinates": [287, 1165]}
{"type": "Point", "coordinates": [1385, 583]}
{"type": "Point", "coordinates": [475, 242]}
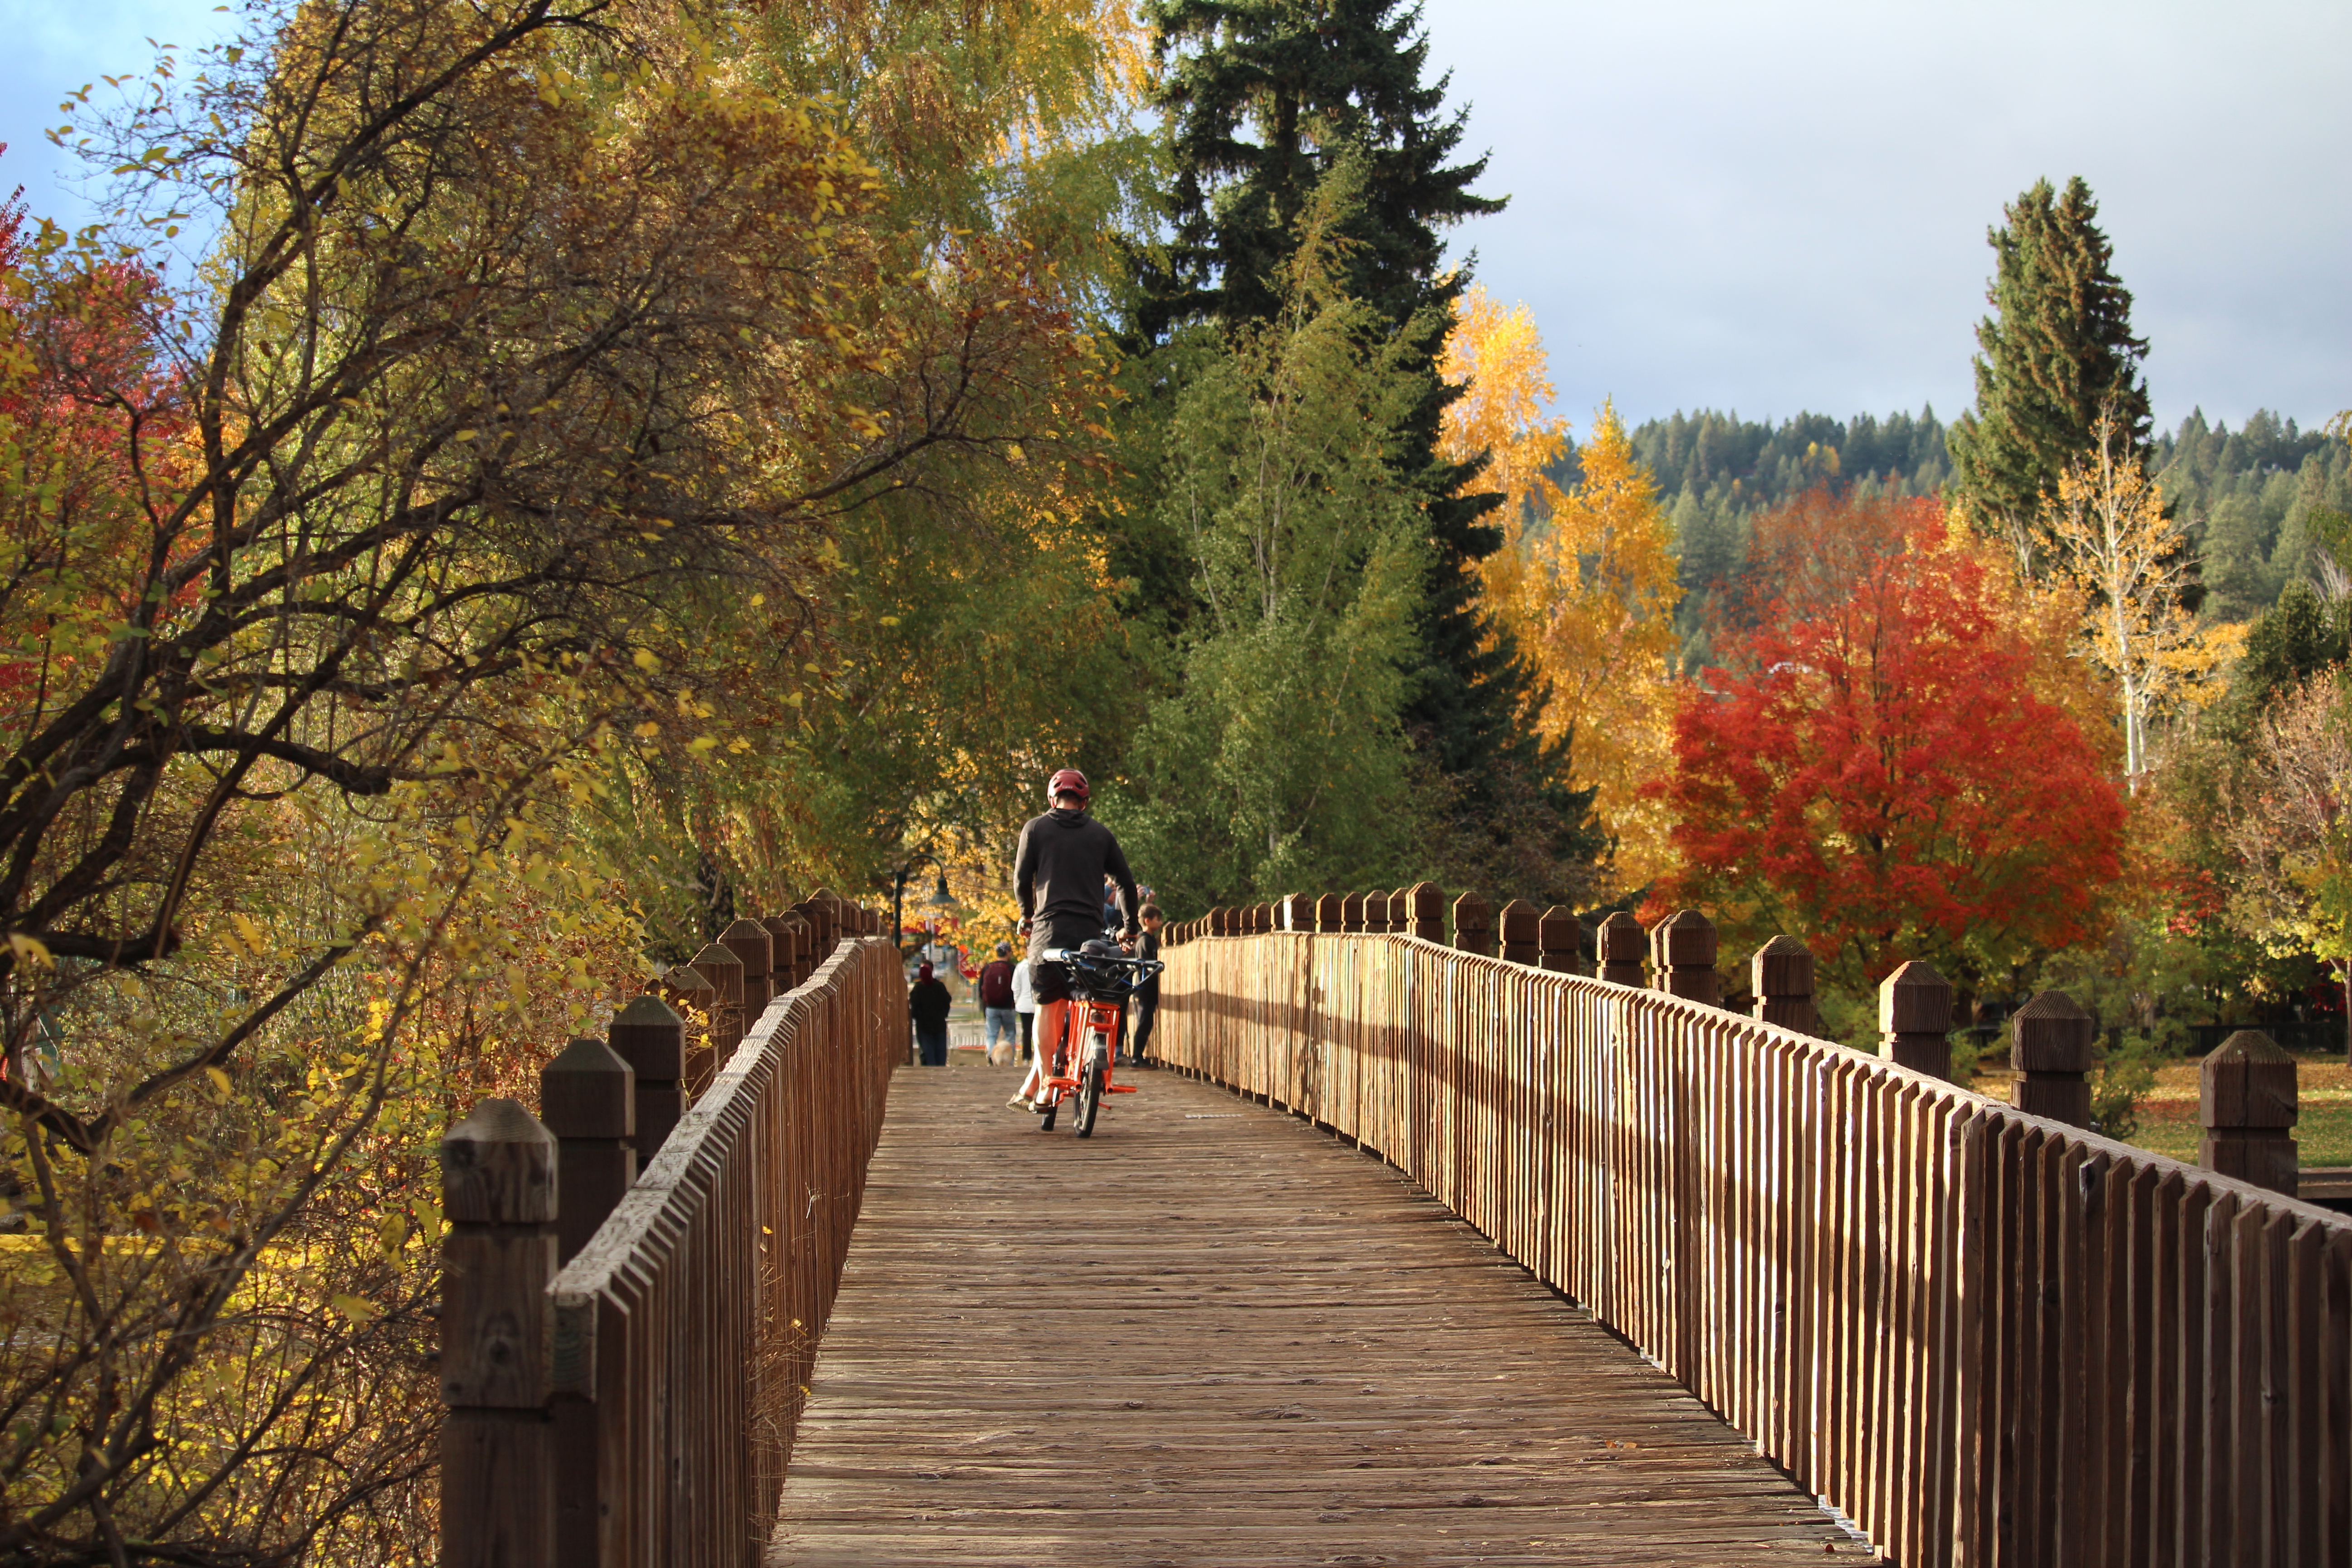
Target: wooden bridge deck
{"type": "Point", "coordinates": [1300, 1359]}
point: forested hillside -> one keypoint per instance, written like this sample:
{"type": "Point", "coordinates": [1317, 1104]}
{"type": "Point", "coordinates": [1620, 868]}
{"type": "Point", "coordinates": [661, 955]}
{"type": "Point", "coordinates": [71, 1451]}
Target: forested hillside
{"type": "Point", "coordinates": [2248, 495]}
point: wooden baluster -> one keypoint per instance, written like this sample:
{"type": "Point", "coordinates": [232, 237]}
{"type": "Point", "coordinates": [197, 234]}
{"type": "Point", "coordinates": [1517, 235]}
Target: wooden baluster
{"type": "Point", "coordinates": [1400, 912]}
{"type": "Point", "coordinates": [1622, 942]}
{"type": "Point", "coordinates": [1780, 972]}
{"type": "Point", "coordinates": [588, 1100]}
{"type": "Point", "coordinates": [1327, 911]}
{"type": "Point", "coordinates": [725, 972]}
{"type": "Point", "coordinates": [1264, 917]}
{"type": "Point", "coordinates": [2247, 1099]}
{"type": "Point", "coordinates": [1559, 940]}
{"type": "Point", "coordinates": [497, 1480]}
{"type": "Point", "coordinates": [1376, 912]}
{"type": "Point", "coordinates": [652, 1039]}
{"type": "Point", "coordinates": [1682, 952]}
{"type": "Point", "coordinates": [1473, 929]}
{"type": "Point", "coordinates": [749, 941]}
{"type": "Point", "coordinates": [2050, 1055]}
{"type": "Point", "coordinates": [1351, 913]}
{"type": "Point", "coordinates": [1425, 913]}
{"type": "Point", "coordinates": [1294, 912]}
{"type": "Point", "coordinates": [687, 989]}
{"type": "Point", "coordinates": [1518, 927]}
{"type": "Point", "coordinates": [1915, 1014]}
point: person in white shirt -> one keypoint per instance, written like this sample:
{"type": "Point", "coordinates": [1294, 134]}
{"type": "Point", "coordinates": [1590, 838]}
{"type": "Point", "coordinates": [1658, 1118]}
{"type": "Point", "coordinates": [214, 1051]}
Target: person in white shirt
{"type": "Point", "coordinates": [1024, 1004]}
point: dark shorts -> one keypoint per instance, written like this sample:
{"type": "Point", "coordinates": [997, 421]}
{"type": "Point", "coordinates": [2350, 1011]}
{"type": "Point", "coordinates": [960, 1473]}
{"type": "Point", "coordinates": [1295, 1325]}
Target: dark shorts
{"type": "Point", "coordinates": [1052, 979]}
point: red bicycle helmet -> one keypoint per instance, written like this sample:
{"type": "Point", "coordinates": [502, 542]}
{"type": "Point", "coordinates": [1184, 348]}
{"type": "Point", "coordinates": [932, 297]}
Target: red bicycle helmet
{"type": "Point", "coordinates": [1069, 780]}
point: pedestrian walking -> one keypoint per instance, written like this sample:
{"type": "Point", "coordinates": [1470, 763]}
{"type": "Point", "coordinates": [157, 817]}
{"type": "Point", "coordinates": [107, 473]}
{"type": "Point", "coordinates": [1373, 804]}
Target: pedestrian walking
{"type": "Point", "coordinates": [928, 1001]}
{"type": "Point", "coordinates": [1024, 1004]}
{"type": "Point", "coordinates": [996, 982]}
{"type": "Point", "coordinates": [1145, 1003]}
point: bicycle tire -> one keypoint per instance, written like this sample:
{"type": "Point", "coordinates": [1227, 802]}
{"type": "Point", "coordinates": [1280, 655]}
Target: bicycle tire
{"type": "Point", "coordinates": [1090, 1093]}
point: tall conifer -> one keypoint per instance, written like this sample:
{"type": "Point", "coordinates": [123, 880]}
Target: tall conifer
{"type": "Point", "coordinates": [2058, 352]}
{"type": "Point", "coordinates": [1261, 99]}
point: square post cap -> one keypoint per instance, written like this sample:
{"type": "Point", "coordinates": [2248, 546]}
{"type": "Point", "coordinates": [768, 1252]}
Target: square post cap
{"type": "Point", "coordinates": [2050, 1034]}
{"type": "Point", "coordinates": [1914, 1000]}
{"type": "Point", "coordinates": [2247, 1081]}
{"type": "Point", "coordinates": [498, 1167]}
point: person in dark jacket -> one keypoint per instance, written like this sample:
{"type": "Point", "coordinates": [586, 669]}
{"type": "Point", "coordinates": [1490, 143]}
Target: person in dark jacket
{"type": "Point", "coordinates": [1058, 881]}
{"type": "Point", "coordinates": [996, 1004]}
{"type": "Point", "coordinates": [1145, 1004]}
{"type": "Point", "coordinates": [928, 1003]}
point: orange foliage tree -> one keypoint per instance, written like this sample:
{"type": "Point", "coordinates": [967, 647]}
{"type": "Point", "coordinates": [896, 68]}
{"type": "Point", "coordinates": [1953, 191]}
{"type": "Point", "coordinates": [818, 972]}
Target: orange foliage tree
{"type": "Point", "coordinates": [1875, 770]}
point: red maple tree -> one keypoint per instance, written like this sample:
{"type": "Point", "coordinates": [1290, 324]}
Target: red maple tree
{"type": "Point", "coordinates": [1872, 770]}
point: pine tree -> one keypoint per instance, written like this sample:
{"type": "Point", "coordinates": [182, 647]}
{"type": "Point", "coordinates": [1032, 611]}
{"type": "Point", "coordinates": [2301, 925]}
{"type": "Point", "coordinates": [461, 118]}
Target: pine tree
{"type": "Point", "coordinates": [1262, 99]}
{"type": "Point", "coordinates": [2059, 352]}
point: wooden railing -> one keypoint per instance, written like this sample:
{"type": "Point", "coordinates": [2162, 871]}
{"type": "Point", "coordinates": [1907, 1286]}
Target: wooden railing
{"type": "Point", "coordinates": [635, 1410]}
{"type": "Point", "coordinates": [1986, 1336]}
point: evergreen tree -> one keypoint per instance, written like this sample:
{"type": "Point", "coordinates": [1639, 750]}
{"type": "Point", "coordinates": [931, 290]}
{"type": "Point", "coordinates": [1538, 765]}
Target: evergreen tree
{"type": "Point", "coordinates": [2058, 352]}
{"type": "Point", "coordinates": [1263, 101]}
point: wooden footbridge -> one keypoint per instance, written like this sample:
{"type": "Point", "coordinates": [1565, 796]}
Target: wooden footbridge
{"type": "Point", "coordinates": [1408, 1254]}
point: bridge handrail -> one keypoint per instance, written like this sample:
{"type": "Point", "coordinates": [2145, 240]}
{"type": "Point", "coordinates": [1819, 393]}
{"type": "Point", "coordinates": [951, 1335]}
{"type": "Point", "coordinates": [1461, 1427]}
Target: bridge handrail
{"type": "Point", "coordinates": [686, 1329]}
{"type": "Point", "coordinates": [1985, 1336]}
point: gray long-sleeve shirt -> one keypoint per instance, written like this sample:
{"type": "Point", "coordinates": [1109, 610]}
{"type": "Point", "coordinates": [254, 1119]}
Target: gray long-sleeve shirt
{"type": "Point", "coordinates": [1057, 874]}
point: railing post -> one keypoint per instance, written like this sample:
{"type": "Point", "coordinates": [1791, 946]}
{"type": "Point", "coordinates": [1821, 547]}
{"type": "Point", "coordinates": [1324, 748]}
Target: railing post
{"type": "Point", "coordinates": [498, 1449]}
{"type": "Point", "coordinates": [1780, 972]}
{"type": "Point", "coordinates": [725, 972]}
{"type": "Point", "coordinates": [1559, 940]}
{"type": "Point", "coordinates": [1327, 911]}
{"type": "Point", "coordinates": [687, 989]}
{"type": "Point", "coordinates": [1915, 1014]}
{"type": "Point", "coordinates": [1621, 941]}
{"type": "Point", "coordinates": [1376, 912]}
{"type": "Point", "coordinates": [587, 1099]}
{"type": "Point", "coordinates": [784, 972]}
{"type": "Point", "coordinates": [818, 910]}
{"type": "Point", "coordinates": [1472, 924]}
{"type": "Point", "coordinates": [2247, 1099]}
{"type": "Point", "coordinates": [749, 941]}
{"type": "Point", "coordinates": [1517, 925]}
{"type": "Point", "coordinates": [652, 1039]}
{"type": "Point", "coordinates": [1683, 951]}
{"type": "Point", "coordinates": [1400, 912]}
{"type": "Point", "coordinates": [2050, 1059]}
{"type": "Point", "coordinates": [1351, 913]}
{"type": "Point", "coordinates": [1425, 910]}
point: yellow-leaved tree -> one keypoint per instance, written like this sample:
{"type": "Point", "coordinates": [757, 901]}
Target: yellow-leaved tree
{"type": "Point", "coordinates": [1585, 581]}
{"type": "Point", "coordinates": [2132, 566]}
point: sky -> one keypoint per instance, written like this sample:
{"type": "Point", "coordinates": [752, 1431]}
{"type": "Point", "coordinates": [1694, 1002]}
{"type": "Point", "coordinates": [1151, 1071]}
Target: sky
{"type": "Point", "coordinates": [1776, 207]}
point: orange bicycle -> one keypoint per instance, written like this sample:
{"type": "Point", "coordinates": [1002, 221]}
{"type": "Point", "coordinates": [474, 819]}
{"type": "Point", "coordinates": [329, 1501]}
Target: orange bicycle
{"type": "Point", "coordinates": [1079, 1069]}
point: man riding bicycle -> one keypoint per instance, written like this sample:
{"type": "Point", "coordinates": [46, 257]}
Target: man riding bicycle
{"type": "Point", "coordinates": [1057, 878]}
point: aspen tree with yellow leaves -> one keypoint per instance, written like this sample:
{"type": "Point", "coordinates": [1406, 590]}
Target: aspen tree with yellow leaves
{"type": "Point", "coordinates": [1585, 580]}
{"type": "Point", "coordinates": [2133, 564]}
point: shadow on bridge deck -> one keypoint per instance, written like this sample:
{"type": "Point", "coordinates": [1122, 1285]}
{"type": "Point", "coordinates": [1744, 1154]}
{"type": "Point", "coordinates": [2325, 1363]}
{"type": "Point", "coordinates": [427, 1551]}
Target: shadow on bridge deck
{"type": "Point", "coordinates": [1243, 1343]}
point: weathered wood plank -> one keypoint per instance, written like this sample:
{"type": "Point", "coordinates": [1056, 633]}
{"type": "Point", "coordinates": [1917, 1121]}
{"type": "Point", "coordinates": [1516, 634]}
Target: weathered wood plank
{"type": "Point", "coordinates": [1212, 1335]}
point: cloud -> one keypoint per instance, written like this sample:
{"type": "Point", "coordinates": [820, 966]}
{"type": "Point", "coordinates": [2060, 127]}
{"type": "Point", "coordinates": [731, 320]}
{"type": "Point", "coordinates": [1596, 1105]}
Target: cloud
{"type": "Point", "coordinates": [1782, 207]}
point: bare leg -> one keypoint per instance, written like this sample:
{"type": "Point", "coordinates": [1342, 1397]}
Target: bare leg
{"type": "Point", "coordinates": [1049, 1035]}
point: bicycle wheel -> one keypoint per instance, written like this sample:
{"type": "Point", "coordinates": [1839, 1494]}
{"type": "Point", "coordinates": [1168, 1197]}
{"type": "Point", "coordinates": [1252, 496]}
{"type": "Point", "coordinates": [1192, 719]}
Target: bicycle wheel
{"type": "Point", "coordinates": [1090, 1093]}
